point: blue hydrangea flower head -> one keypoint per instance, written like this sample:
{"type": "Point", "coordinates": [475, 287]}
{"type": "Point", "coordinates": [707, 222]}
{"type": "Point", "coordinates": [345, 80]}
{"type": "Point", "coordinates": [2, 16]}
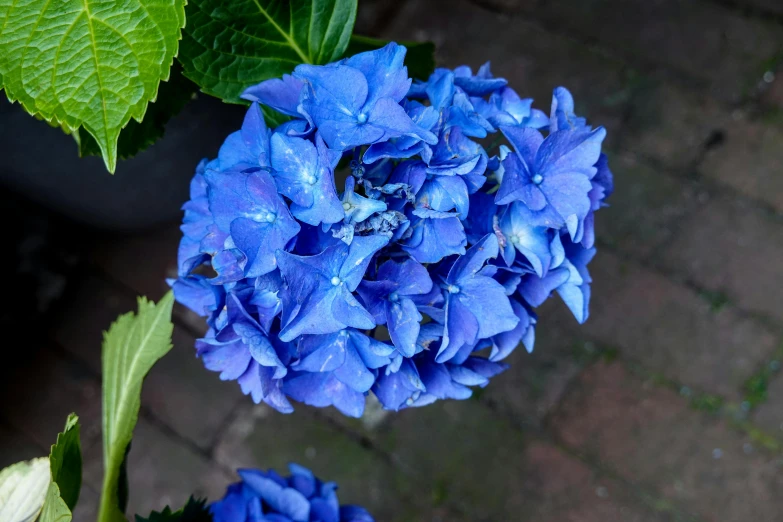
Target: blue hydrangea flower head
{"type": "Point", "coordinates": [417, 277]}
{"type": "Point", "coordinates": [268, 496]}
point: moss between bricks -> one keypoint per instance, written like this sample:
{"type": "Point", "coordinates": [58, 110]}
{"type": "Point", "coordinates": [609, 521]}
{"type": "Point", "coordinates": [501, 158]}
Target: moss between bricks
{"type": "Point", "coordinates": [736, 414]}
{"type": "Point", "coordinates": [717, 299]}
{"type": "Point", "coordinates": [756, 386]}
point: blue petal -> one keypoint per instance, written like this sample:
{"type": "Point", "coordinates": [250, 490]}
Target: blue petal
{"type": "Point", "coordinates": [231, 508]}
{"type": "Point", "coordinates": [403, 319]}
{"type": "Point", "coordinates": [302, 480]}
{"type": "Point", "coordinates": [411, 277]}
{"type": "Point", "coordinates": [323, 389]}
{"type": "Point", "coordinates": [440, 88]}
{"type": "Point", "coordinates": [231, 359]}
{"type": "Point", "coordinates": [279, 94]}
{"type": "Point", "coordinates": [531, 241]}
{"type": "Point", "coordinates": [392, 120]}
{"type": "Point", "coordinates": [438, 382]}
{"type": "Point", "coordinates": [396, 390]}
{"type": "Point", "coordinates": [465, 376]}
{"type": "Point", "coordinates": [247, 205]}
{"type": "Point", "coordinates": [357, 258]}
{"type": "Point", "coordinates": [354, 373]}
{"type": "Point", "coordinates": [462, 114]}
{"type": "Point", "coordinates": [323, 512]}
{"type": "Point", "coordinates": [373, 353]}
{"type": "Point", "coordinates": [505, 342]}
{"type": "Point", "coordinates": [319, 299]}
{"type": "Point", "coordinates": [303, 174]}
{"type": "Point", "coordinates": [358, 208]}
{"type": "Point", "coordinates": [535, 290]}
{"type": "Point", "coordinates": [476, 257]}
{"type": "Point", "coordinates": [383, 68]}
{"type": "Point", "coordinates": [461, 329]}
{"type": "Point", "coordinates": [484, 367]}
{"type": "Point", "coordinates": [479, 85]}
{"type": "Point", "coordinates": [261, 350]}
{"type": "Point", "coordinates": [354, 514]}
{"type": "Point", "coordinates": [248, 147]}
{"type": "Point", "coordinates": [562, 116]}
{"type": "Point", "coordinates": [321, 353]}
{"type": "Point", "coordinates": [286, 501]}
{"type": "Point", "coordinates": [434, 239]}
{"type": "Point", "coordinates": [444, 193]}
{"type": "Point", "coordinates": [196, 293]}
{"type": "Point", "coordinates": [374, 295]}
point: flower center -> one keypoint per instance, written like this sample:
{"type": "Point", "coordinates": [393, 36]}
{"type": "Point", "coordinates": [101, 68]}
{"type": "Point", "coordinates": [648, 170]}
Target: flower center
{"type": "Point", "coordinates": [347, 206]}
{"type": "Point", "coordinates": [362, 118]}
{"type": "Point", "coordinates": [270, 217]}
{"type": "Point", "coordinates": [453, 289]}
{"type": "Point", "coordinates": [335, 281]}
{"type": "Point", "coordinates": [394, 297]}
{"type": "Point", "coordinates": [311, 180]}
{"type": "Point", "coordinates": [537, 179]}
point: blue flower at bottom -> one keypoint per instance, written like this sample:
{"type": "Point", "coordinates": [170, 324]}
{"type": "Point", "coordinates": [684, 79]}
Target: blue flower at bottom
{"type": "Point", "coordinates": [265, 496]}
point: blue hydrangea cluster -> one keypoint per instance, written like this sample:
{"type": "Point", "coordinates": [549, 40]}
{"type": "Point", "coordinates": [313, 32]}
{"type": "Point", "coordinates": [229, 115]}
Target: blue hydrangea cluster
{"type": "Point", "coordinates": [266, 496]}
{"type": "Point", "coordinates": [417, 278]}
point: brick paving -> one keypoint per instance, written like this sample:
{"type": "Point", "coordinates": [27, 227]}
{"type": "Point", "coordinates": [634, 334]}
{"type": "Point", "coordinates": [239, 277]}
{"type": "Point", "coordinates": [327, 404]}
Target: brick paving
{"type": "Point", "coordinates": [666, 406]}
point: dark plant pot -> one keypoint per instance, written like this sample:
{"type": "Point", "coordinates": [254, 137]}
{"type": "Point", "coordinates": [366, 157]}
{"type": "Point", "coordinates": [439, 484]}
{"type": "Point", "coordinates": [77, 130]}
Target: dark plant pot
{"type": "Point", "coordinates": [42, 163]}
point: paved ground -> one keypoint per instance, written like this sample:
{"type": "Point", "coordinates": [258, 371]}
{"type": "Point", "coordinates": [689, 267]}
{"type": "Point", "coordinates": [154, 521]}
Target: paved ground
{"type": "Point", "coordinates": [666, 406]}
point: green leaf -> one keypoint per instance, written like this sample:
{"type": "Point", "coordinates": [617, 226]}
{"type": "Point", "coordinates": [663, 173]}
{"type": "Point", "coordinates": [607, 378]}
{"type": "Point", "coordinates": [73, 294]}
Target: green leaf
{"type": "Point", "coordinates": [55, 509]}
{"type": "Point", "coordinates": [173, 95]}
{"type": "Point", "coordinates": [420, 58]}
{"type": "Point", "coordinates": [93, 64]}
{"type": "Point", "coordinates": [65, 463]}
{"type": "Point", "coordinates": [133, 344]}
{"type": "Point", "coordinates": [193, 511]}
{"type": "Point", "coordinates": [229, 46]}
{"type": "Point", "coordinates": [23, 489]}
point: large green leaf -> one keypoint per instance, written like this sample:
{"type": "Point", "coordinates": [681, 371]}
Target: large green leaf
{"type": "Point", "coordinates": [420, 58]}
{"type": "Point", "coordinates": [23, 489]}
{"type": "Point", "coordinates": [65, 462]}
{"type": "Point", "coordinates": [193, 511]}
{"type": "Point", "coordinates": [173, 95]}
{"type": "Point", "coordinates": [229, 46]}
{"type": "Point", "coordinates": [93, 64]}
{"type": "Point", "coordinates": [130, 348]}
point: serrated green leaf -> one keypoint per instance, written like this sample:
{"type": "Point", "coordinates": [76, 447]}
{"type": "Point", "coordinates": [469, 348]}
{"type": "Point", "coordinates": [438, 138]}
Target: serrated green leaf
{"type": "Point", "coordinates": [173, 95]}
{"type": "Point", "coordinates": [23, 489]}
{"type": "Point", "coordinates": [133, 344]}
{"type": "Point", "coordinates": [229, 46]}
{"type": "Point", "coordinates": [93, 64]}
{"type": "Point", "coordinates": [193, 511]}
{"type": "Point", "coordinates": [65, 461]}
{"type": "Point", "coordinates": [420, 58]}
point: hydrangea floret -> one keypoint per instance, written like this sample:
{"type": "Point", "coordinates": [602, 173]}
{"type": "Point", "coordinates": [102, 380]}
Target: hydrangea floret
{"type": "Point", "coordinates": [268, 496]}
{"type": "Point", "coordinates": [423, 273]}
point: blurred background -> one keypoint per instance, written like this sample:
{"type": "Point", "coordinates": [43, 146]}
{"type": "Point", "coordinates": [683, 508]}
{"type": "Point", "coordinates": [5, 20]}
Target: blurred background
{"type": "Point", "coordinates": [666, 406]}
